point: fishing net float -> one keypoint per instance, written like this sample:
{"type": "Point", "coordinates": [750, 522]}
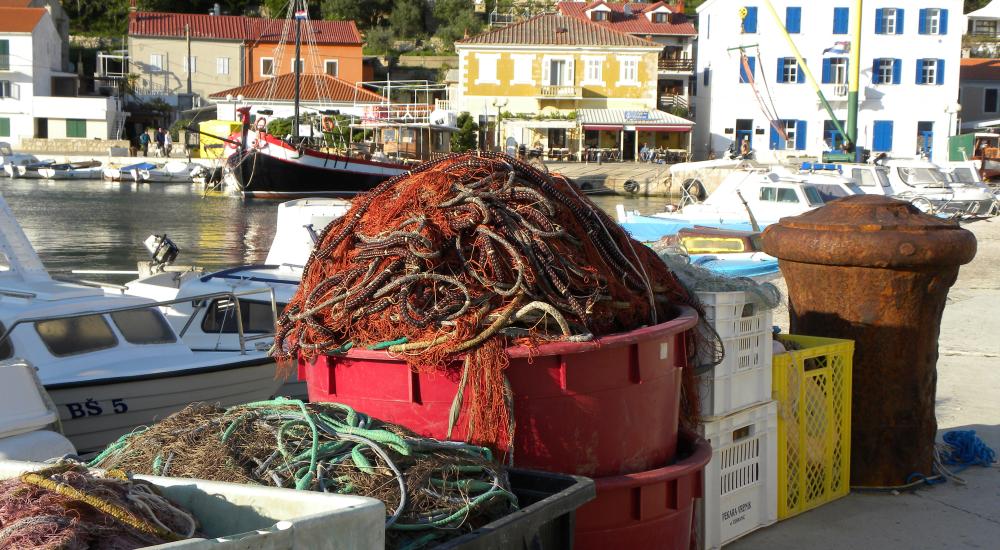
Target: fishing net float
{"type": "Point", "coordinates": [452, 262]}
{"type": "Point", "coordinates": [428, 486]}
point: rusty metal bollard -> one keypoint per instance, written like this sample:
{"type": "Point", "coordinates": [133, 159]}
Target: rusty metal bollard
{"type": "Point", "coordinates": [877, 271]}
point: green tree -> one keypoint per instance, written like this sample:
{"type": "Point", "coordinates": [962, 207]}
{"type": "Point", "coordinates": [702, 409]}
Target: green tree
{"type": "Point", "coordinates": [280, 127]}
{"type": "Point", "coordinates": [973, 5]}
{"type": "Point", "coordinates": [97, 17]}
{"type": "Point", "coordinates": [407, 18]}
{"type": "Point", "coordinates": [454, 19]}
{"type": "Point", "coordinates": [378, 41]}
{"type": "Point", "coordinates": [465, 138]}
{"type": "Point", "coordinates": [366, 13]}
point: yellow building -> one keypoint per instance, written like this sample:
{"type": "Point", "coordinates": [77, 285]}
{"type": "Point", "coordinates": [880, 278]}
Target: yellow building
{"type": "Point", "coordinates": [565, 85]}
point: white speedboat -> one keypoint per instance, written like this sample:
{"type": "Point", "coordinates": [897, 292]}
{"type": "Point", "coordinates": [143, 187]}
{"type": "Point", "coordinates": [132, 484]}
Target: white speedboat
{"type": "Point", "coordinates": [175, 171]}
{"type": "Point", "coordinates": [8, 156]}
{"type": "Point", "coordinates": [126, 173]}
{"type": "Point", "coordinates": [27, 170]}
{"type": "Point", "coordinates": [86, 170]}
{"type": "Point", "coordinates": [110, 362]}
{"type": "Point", "coordinates": [263, 290]}
{"type": "Point", "coordinates": [924, 184]}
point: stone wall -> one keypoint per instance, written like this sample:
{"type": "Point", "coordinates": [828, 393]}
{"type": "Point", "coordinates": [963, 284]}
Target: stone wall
{"type": "Point", "coordinates": [428, 61]}
{"type": "Point", "coordinates": [71, 146]}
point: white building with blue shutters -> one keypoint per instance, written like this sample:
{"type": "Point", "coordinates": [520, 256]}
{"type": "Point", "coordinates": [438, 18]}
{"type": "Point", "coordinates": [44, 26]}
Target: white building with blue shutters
{"type": "Point", "coordinates": [750, 87]}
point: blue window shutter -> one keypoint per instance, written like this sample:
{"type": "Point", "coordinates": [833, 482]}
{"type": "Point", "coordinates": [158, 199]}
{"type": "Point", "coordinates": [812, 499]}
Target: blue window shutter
{"type": "Point", "coordinates": [781, 69]}
{"type": "Point", "coordinates": [899, 20]}
{"type": "Point", "coordinates": [897, 70]}
{"type": "Point", "coordinates": [752, 61]}
{"type": "Point", "coordinates": [828, 71]}
{"type": "Point", "coordinates": [775, 140]}
{"type": "Point", "coordinates": [940, 72]}
{"type": "Point", "coordinates": [920, 71]}
{"type": "Point", "coordinates": [879, 21]}
{"type": "Point", "coordinates": [800, 135]}
{"type": "Point", "coordinates": [801, 73]}
{"type": "Point", "coordinates": [840, 20]}
{"type": "Point", "coordinates": [943, 25]}
{"type": "Point", "coordinates": [705, 76]}
{"type": "Point", "coordinates": [883, 136]}
{"type": "Point", "coordinates": [750, 22]}
{"type": "Point", "coordinates": [922, 22]}
{"type": "Point", "coordinates": [875, 79]}
{"type": "Point", "coordinates": [793, 19]}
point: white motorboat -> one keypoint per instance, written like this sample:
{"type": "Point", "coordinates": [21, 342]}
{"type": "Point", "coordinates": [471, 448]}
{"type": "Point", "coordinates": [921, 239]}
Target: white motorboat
{"type": "Point", "coordinates": [126, 173]}
{"type": "Point", "coordinates": [87, 170]}
{"type": "Point", "coordinates": [8, 156]}
{"type": "Point", "coordinates": [111, 362]}
{"type": "Point", "coordinates": [264, 290]}
{"type": "Point", "coordinates": [28, 417]}
{"type": "Point", "coordinates": [175, 171]}
{"type": "Point", "coordinates": [923, 182]}
{"type": "Point", "coordinates": [27, 170]}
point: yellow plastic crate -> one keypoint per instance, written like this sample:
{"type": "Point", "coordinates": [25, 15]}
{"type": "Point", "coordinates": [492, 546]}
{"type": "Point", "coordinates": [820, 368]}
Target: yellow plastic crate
{"type": "Point", "coordinates": [812, 386]}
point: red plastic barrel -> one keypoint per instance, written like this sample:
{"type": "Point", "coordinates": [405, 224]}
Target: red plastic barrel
{"type": "Point", "coordinates": [598, 408]}
{"type": "Point", "coordinates": [651, 509]}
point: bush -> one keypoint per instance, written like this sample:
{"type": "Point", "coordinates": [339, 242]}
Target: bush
{"type": "Point", "coordinates": [180, 124]}
{"type": "Point", "coordinates": [280, 127]}
{"type": "Point", "coordinates": [465, 138]}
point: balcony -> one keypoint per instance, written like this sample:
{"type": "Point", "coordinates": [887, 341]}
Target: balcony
{"type": "Point", "coordinates": [676, 65]}
{"type": "Point", "coordinates": [559, 92]}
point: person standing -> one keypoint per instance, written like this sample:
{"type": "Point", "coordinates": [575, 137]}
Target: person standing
{"type": "Point", "coordinates": [144, 142]}
{"type": "Point", "coordinates": [159, 141]}
{"type": "Point", "coordinates": [168, 143]}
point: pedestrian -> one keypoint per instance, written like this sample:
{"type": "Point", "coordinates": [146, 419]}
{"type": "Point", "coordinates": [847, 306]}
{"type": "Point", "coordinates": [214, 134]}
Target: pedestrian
{"type": "Point", "coordinates": [168, 143]}
{"type": "Point", "coordinates": [745, 148]}
{"type": "Point", "coordinates": [644, 153]}
{"type": "Point", "coordinates": [144, 142]}
{"type": "Point", "coordinates": [159, 141]}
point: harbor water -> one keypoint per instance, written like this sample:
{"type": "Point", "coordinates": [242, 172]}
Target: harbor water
{"type": "Point", "coordinates": [101, 225]}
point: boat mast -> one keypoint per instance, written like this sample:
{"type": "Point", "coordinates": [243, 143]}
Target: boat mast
{"type": "Point", "coordinates": [299, 15]}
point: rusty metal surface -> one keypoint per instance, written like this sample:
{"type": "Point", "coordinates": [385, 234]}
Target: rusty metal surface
{"type": "Point", "coordinates": [876, 271]}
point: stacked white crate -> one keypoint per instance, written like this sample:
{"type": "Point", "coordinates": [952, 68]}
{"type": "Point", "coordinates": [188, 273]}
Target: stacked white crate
{"type": "Point", "coordinates": [740, 421]}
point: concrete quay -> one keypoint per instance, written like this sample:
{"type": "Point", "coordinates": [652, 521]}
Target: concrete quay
{"type": "Point", "coordinates": [610, 177]}
{"type": "Point", "coordinates": [946, 515]}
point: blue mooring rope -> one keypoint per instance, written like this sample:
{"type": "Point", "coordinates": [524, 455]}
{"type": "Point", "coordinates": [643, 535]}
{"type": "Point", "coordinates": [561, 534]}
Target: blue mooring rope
{"type": "Point", "coordinates": [967, 450]}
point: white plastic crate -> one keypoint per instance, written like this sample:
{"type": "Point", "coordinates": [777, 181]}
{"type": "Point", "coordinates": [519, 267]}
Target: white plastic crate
{"type": "Point", "coordinates": [741, 481]}
{"type": "Point", "coordinates": [743, 379]}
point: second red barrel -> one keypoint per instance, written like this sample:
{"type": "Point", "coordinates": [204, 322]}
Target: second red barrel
{"type": "Point", "coordinates": [600, 408]}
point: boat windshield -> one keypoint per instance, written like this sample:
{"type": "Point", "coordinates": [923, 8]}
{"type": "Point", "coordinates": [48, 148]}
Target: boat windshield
{"type": "Point", "coordinates": [929, 177]}
{"type": "Point", "coordinates": [963, 175]}
{"type": "Point", "coordinates": [813, 195]}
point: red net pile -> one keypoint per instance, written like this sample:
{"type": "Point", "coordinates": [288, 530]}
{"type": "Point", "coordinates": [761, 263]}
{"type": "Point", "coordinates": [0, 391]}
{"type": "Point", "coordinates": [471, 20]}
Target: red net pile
{"type": "Point", "coordinates": [447, 265]}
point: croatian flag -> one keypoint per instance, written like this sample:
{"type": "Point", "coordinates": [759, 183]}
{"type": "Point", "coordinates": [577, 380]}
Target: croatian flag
{"type": "Point", "coordinates": [301, 14]}
{"type": "Point", "coordinates": [838, 48]}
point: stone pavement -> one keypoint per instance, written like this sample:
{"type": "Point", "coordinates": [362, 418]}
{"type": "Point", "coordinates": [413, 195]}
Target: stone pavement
{"type": "Point", "coordinates": [947, 515]}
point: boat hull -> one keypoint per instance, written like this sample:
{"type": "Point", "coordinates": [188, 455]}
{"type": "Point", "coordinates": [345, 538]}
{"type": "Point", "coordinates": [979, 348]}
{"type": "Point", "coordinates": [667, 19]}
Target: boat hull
{"type": "Point", "coordinates": [97, 413]}
{"type": "Point", "coordinates": [264, 176]}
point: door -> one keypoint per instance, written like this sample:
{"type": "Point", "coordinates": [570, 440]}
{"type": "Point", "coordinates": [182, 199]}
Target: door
{"type": "Point", "coordinates": [925, 138]}
{"type": "Point", "coordinates": [42, 128]}
{"type": "Point", "coordinates": [833, 138]}
{"type": "Point", "coordinates": [556, 69]}
{"type": "Point", "coordinates": [744, 130]}
{"type": "Point", "coordinates": [628, 152]}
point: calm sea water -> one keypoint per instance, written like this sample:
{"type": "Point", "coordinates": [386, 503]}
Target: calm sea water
{"type": "Point", "coordinates": [101, 225]}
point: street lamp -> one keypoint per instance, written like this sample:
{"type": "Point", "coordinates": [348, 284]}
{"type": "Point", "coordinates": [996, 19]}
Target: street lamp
{"type": "Point", "coordinates": [499, 104]}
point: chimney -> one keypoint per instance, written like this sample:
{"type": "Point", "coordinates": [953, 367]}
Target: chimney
{"type": "Point", "coordinates": [679, 7]}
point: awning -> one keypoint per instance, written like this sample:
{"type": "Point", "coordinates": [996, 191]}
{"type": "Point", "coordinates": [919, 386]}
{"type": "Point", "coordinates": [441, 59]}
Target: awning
{"type": "Point", "coordinates": [662, 128]}
{"type": "Point", "coordinates": [608, 127]}
{"type": "Point", "coordinates": [641, 119]}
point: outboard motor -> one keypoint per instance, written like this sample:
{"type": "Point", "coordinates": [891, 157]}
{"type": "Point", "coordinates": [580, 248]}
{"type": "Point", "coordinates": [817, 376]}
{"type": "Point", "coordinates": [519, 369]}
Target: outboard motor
{"type": "Point", "coordinates": [162, 250]}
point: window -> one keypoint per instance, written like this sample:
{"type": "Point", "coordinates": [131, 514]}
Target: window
{"type": "Point", "coordinates": [267, 66]}
{"type": "Point", "coordinates": [886, 71]}
{"type": "Point", "coordinates": [144, 326]}
{"type": "Point", "coordinates": [768, 194]}
{"type": "Point", "coordinates": [557, 72]}
{"type": "Point", "coordinates": [990, 104]}
{"type": "Point", "coordinates": [889, 21]}
{"type": "Point", "coordinates": [793, 19]}
{"type": "Point", "coordinates": [748, 69]}
{"type": "Point", "coordinates": [706, 76]}
{"type": "Point", "coordinates": [882, 132]}
{"type": "Point", "coordinates": [600, 15]}
{"type": "Point", "coordinates": [835, 70]}
{"type": "Point", "coordinates": [4, 127]}
{"type": "Point", "coordinates": [925, 137]}
{"type": "Point", "coordinates": [522, 69]}
{"type": "Point", "coordinates": [750, 21]}
{"type": "Point", "coordinates": [933, 21]}
{"type": "Point", "coordinates": [787, 195]}
{"type": "Point", "coordinates": [6, 88]}
{"type": "Point", "coordinates": [863, 177]}
{"type": "Point", "coordinates": [831, 135]}
{"type": "Point", "coordinates": [301, 66]}
{"type": "Point", "coordinates": [788, 70]}
{"type": "Point", "coordinates": [76, 335]}
{"type": "Point", "coordinates": [782, 194]}
{"type": "Point", "coordinates": [221, 65]}
{"type": "Point", "coordinates": [155, 62]}
{"type": "Point", "coordinates": [795, 132]}
{"type": "Point", "coordinates": [930, 71]}
{"type": "Point", "coordinates": [593, 71]}
{"type": "Point", "coordinates": [76, 128]}
{"type": "Point", "coordinates": [487, 68]}
{"type": "Point", "coordinates": [812, 195]}
{"type": "Point", "coordinates": [194, 64]}
{"type": "Point", "coordinates": [841, 17]}
{"type": "Point", "coordinates": [629, 70]}
{"type": "Point", "coordinates": [661, 17]}
{"type": "Point", "coordinates": [4, 55]}
{"type": "Point", "coordinates": [221, 317]}
{"type": "Point", "coordinates": [331, 67]}
{"type": "Point", "coordinates": [983, 27]}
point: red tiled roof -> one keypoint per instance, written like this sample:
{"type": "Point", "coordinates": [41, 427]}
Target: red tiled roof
{"type": "Point", "coordinates": [313, 87]}
{"type": "Point", "coordinates": [980, 69]}
{"type": "Point", "coordinates": [20, 19]}
{"type": "Point", "coordinates": [15, 3]}
{"type": "Point", "coordinates": [636, 21]}
{"type": "Point", "coordinates": [234, 27]}
{"type": "Point", "coordinates": [552, 29]}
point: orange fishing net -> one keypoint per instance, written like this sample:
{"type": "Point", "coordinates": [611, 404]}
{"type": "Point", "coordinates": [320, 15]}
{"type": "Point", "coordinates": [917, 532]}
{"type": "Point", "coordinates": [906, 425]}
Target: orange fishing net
{"type": "Point", "coordinates": [449, 263]}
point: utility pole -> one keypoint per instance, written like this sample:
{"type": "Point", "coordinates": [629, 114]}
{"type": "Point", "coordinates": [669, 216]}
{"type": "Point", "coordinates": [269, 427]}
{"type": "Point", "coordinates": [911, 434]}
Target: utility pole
{"type": "Point", "coordinates": [187, 37]}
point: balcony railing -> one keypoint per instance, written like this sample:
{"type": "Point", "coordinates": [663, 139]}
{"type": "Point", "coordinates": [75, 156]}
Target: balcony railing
{"type": "Point", "coordinates": [676, 65]}
{"type": "Point", "coordinates": [444, 104]}
{"type": "Point", "coordinates": [674, 100]}
{"type": "Point", "coordinates": [560, 91]}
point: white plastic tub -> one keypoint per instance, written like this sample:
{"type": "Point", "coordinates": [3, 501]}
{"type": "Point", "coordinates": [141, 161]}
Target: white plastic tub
{"type": "Point", "coordinates": [248, 517]}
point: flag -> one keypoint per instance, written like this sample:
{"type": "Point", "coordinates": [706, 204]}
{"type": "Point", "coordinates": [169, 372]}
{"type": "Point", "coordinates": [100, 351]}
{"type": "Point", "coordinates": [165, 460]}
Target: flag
{"type": "Point", "coordinates": [839, 48]}
{"type": "Point", "coordinates": [301, 14]}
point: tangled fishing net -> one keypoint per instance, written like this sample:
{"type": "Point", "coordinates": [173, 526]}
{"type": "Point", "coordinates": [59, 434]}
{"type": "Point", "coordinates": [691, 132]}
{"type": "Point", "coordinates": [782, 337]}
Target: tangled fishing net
{"type": "Point", "coordinates": [447, 265]}
{"type": "Point", "coordinates": [427, 485]}
{"type": "Point", "coordinates": [68, 507]}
